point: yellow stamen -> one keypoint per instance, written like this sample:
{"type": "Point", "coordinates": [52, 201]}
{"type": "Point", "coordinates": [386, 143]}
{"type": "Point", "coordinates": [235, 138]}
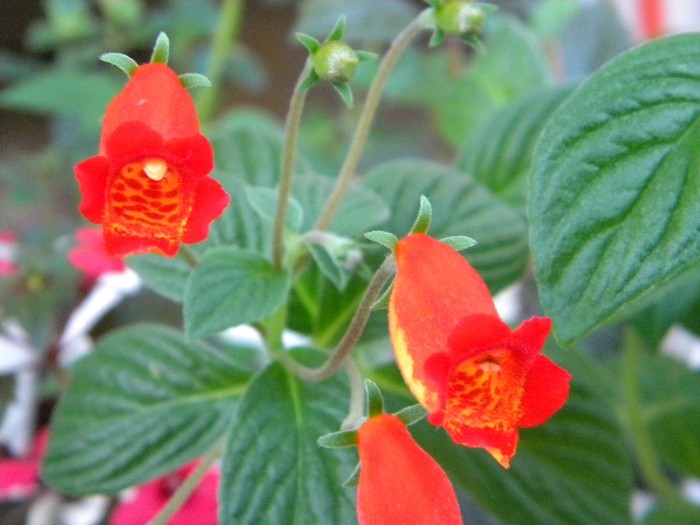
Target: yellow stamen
{"type": "Point", "coordinates": [155, 169]}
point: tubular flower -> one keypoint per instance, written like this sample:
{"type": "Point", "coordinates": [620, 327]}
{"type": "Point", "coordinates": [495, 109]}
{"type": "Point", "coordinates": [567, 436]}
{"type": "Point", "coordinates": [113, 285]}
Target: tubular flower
{"type": "Point", "coordinates": [149, 186]}
{"type": "Point", "coordinates": [399, 481]}
{"type": "Point", "coordinates": [477, 378]}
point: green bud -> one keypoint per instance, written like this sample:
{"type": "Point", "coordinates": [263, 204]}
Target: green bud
{"type": "Point", "coordinates": [460, 17]}
{"type": "Point", "coordinates": [335, 61]}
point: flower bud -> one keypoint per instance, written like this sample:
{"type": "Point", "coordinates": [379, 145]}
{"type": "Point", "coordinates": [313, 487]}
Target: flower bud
{"type": "Point", "coordinates": [460, 17]}
{"type": "Point", "coordinates": [335, 61]}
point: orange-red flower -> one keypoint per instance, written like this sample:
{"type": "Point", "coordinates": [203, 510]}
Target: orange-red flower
{"type": "Point", "coordinates": [399, 481]}
{"type": "Point", "coordinates": [477, 378]}
{"type": "Point", "coordinates": [149, 186]}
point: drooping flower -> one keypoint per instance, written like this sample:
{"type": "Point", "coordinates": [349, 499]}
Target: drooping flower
{"type": "Point", "coordinates": [149, 186]}
{"type": "Point", "coordinates": [477, 378]}
{"type": "Point", "coordinates": [399, 481]}
{"type": "Point", "coordinates": [90, 256]}
{"type": "Point", "coordinates": [147, 500]}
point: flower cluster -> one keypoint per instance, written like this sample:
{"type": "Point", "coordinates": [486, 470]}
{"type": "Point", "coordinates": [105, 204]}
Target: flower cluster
{"type": "Point", "coordinates": [477, 378]}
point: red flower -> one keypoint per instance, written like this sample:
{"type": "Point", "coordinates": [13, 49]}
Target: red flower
{"type": "Point", "coordinates": [149, 186]}
{"type": "Point", "coordinates": [399, 481]}
{"type": "Point", "coordinates": [90, 256]}
{"type": "Point", "coordinates": [479, 379]}
{"type": "Point", "coordinates": [200, 508]}
{"type": "Point", "coordinates": [8, 254]}
{"type": "Point", "coordinates": [20, 478]}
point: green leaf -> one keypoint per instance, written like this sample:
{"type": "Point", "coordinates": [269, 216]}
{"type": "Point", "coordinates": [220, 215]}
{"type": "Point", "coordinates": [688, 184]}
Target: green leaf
{"type": "Point", "coordinates": [62, 92]}
{"type": "Point", "coordinates": [230, 287]}
{"type": "Point", "coordinates": [161, 49]}
{"type": "Point", "coordinates": [459, 242]}
{"type": "Point", "coordinates": [386, 239]}
{"type": "Point", "coordinates": [345, 91]}
{"type": "Point", "coordinates": [309, 42]}
{"type": "Point", "coordinates": [338, 258]}
{"type": "Point", "coordinates": [500, 155]}
{"type": "Point", "coordinates": [124, 62]}
{"type": "Point", "coordinates": [671, 409]}
{"type": "Point", "coordinates": [273, 470]}
{"type": "Point", "coordinates": [166, 277]}
{"type": "Point", "coordinates": [194, 80]}
{"type": "Point", "coordinates": [143, 403]}
{"type": "Point", "coordinates": [573, 469]}
{"type": "Point", "coordinates": [615, 190]}
{"type": "Point", "coordinates": [460, 207]}
{"type": "Point", "coordinates": [361, 209]}
{"type": "Point", "coordinates": [264, 202]}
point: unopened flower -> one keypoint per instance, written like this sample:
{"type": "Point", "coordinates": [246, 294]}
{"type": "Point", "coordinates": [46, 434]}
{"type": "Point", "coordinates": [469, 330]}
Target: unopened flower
{"type": "Point", "coordinates": [477, 378]}
{"type": "Point", "coordinates": [399, 482]}
{"type": "Point", "coordinates": [149, 186]}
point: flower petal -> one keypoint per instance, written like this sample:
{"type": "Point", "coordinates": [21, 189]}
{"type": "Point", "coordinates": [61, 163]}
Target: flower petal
{"type": "Point", "coordinates": [399, 482]}
{"type": "Point", "coordinates": [133, 141]}
{"type": "Point", "coordinates": [194, 155]}
{"type": "Point", "coordinates": [546, 391]}
{"type": "Point", "coordinates": [210, 201]}
{"type": "Point", "coordinates": [474, 333]}
{"type": "Point", "coordinates": [92, 175]}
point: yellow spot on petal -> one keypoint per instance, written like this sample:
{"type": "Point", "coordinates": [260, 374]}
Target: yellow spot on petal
{"type": "Point", "coordinates": [155, 169]}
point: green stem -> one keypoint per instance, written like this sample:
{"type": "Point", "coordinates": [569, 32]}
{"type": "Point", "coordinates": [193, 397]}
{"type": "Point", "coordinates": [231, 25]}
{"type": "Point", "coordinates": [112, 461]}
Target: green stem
{"type": "Point", "coordinates": [649, 465]}
{"type": "Point", "coordinates": [188, 486]}
{"type": "Point", "coordinates": [226, 32]}
{"type": "Point", "coordinates": [357, 396]}
{"type": "Point", "coordinates": [364, 123]}
{"type": "Point", "coordinates": [189, 256]}
{"type": "Point", "coordinates": [291, 137]}
{"type": "Point", "coordinates": [352, 334]}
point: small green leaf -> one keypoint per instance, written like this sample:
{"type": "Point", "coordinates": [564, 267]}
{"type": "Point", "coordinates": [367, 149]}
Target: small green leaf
{"type": "Point", "coordinates": [230, 287]}
{"type": "Point", "coordinates": [273, 471]}
{"type": "Point", "coordinates": [424, 216]}
{"type": "Point", "coordinates": [161, 49]}
{"type": "Point", "coordinates": [338, 30]}
{"type": "Point", "coordinates": [386, 239]}
{"type": "Point", "coordinates": [615, 188]}
{"type": "Point", "coordinates": [124, 62]}
{"type": "Point", "coordinates": [366, 56]}
{"type": "Point", "coordinates": [337, 257]}
{"type": "Point", "coordinates": [142, 404]}
{"type": "Point", "coordinates": [311, 80]}
{"type": "Point", "coordinates": [459, 242]}
{"type": "Point", "coordinates": [412, 414]}
{"type": "Point", "coordinates": [194, 80]}
{"type": "Point", "coordinates": [345, 92]}
{"type": "Point", "coordinates": [375, 401]}
{"type": "Point", "coordinates": [309, 42]}
{"type": "Point", "coordinates": [342, 439]}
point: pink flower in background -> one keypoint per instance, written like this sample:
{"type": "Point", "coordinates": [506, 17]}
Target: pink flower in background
{"type": "Point", "coordinates": [8, 250]}
{"type": "Point", "coordinates": [20, 478]}
{"type": "Point", "coordinates": [201, 507]}
{"type": "Point", "coordinates": [90, 256]}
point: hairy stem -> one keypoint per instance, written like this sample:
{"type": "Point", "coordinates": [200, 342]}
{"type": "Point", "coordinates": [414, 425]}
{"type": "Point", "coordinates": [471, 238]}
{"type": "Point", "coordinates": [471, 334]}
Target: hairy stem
{"type": "Point", "coordinates": [364, 123]}
{"type": "Point", "coordinates": [352, 334]}
{"type": "Point", "coordinates": [291, 137]}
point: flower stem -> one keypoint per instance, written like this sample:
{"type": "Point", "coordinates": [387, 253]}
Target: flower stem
{"type": "Point", "coordinates": [649, 464]}
{"type": "Point", "coordinates": [188, 486]}
{"type": "Point", "coordinates": [291, 137]}
{"type": "Point", "coordinates": [352, 334]}
{"type": "Point", "coordinates": [230, 18]}
{"type": "Point", "coordinates": [357, 396]}
{"type": "Point", "coordinates": [364, 123]}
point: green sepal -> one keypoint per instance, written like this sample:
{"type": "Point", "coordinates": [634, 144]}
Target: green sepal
{"type": "Point", "coordinates": [340, 439]}
{"type": "Point", "coordinates": [124, 62]}
{"type": "Point", "coordinates": [338, 30]}
{"type": "Point", "coordinates": [424, 217]}
{"type": "Point", "coordinates": [459, 242]}
{"type": "Point", "coordinates": [161, 49]}
{"type": "Point", "coordinates": [411, 414]}
{"type": "Point", "coordinates": [386, 239]}
{"type": "Point", "coordinates": [353, 479]}
{"type": "Point", "coordinates": [345, 92]}
{"type": "Point", "coordinates": [311, 79]}
{"type": "Point", "coordinates": [194, 80]}
{"type": "Point", "coordinates": [437, 37]}
{"type": "Point", "coordinates": [309, 42]}
{"type": "Point", "coordinates": [375, 400]}
{"type": "Point", "coordinates": [473, 41]}
{"type": "Point", "coordinates": [383, 302]}
{"type": "Point", "coordinates": [366, 56]}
